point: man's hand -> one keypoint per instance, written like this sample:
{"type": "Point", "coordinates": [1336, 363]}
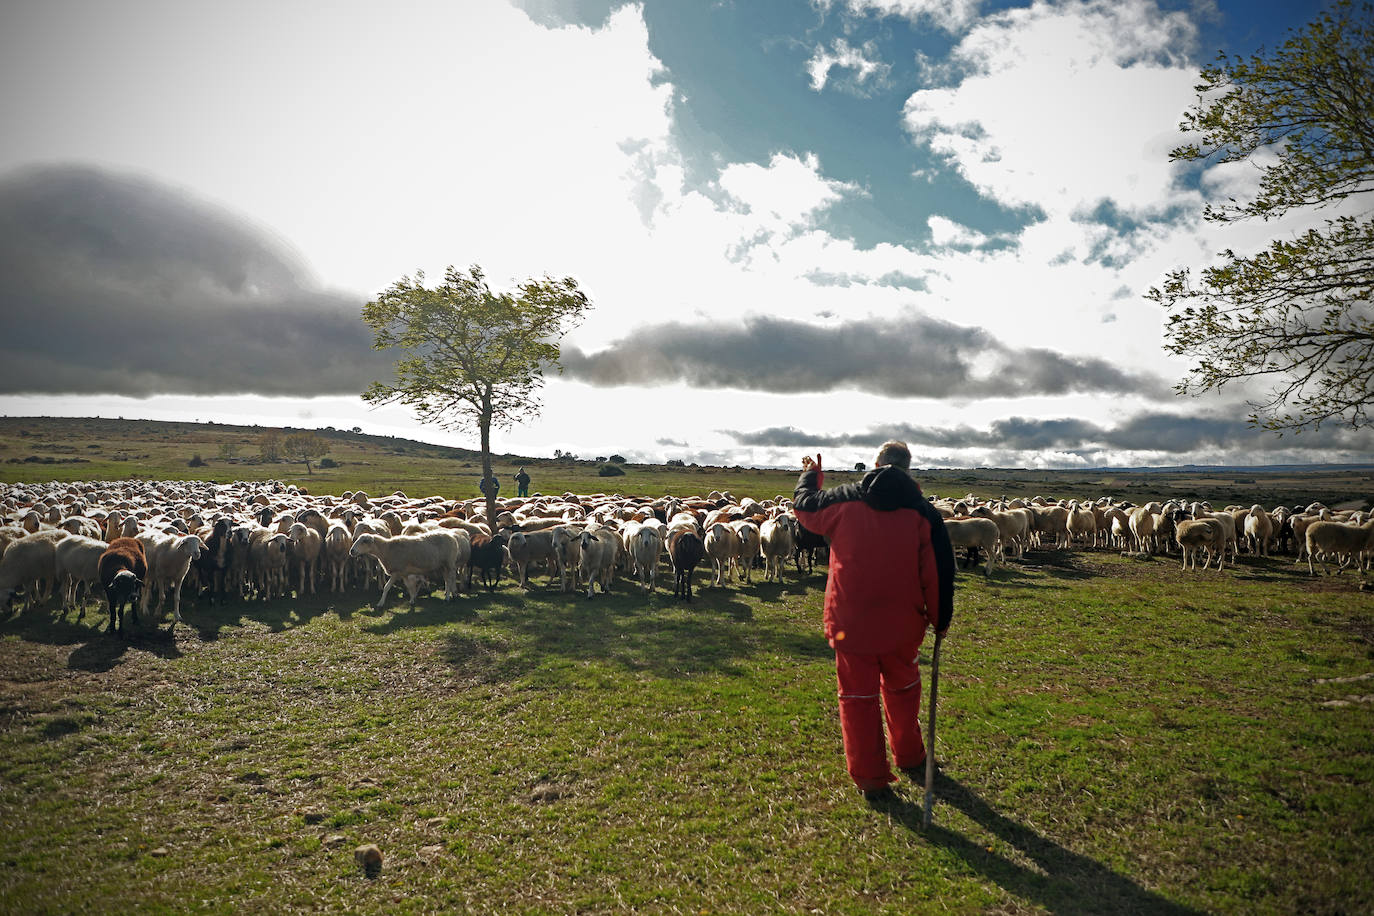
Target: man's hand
{"type": "Point", "coordinates": [808, 463]}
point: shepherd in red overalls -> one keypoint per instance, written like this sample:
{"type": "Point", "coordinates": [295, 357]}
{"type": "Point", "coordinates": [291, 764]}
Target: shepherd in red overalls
{"type": "Point", "coordinates": [891, 576]}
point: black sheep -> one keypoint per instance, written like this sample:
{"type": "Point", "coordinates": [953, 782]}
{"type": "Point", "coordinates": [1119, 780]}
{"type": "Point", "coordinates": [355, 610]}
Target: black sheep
{"type": "Point", "coordinates": [122, 568]}
{"type": "Point", "coordinates": [488, 555]}
{"type": "Point", "coordinates": [687, 553]}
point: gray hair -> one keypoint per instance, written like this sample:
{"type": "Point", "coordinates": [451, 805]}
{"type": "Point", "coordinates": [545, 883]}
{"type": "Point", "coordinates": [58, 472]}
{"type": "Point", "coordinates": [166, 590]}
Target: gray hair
{"type": "Point", "coordinates": [894, 452]}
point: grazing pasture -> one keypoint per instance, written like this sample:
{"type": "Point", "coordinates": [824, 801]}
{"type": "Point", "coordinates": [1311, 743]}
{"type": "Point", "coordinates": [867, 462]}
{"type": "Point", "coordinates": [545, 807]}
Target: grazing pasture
{"type": "Point", "coordinates": [1117, 735]}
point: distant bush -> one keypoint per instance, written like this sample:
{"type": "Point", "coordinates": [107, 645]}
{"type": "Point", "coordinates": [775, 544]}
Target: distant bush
{"type": "Point", "coordinates": [610, 470]}
{"type": "Point", "coordinates": [618, 459]}
{"type": "Point", "coordinates": [675, 463]}
{"type": "Point", "coordinates": [328, 463]}
{"type": "Point", "coordinates": [196, 461]}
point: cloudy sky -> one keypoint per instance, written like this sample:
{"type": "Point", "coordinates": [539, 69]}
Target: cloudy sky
{"type": "Point", "coordinates": [803, 226]}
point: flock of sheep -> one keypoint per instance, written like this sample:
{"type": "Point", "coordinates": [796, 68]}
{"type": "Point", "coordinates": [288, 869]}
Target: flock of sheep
{"type": "Point", "coordinates": [1001, 528]}
{"type": "Point", "coordinates": [140, 543]}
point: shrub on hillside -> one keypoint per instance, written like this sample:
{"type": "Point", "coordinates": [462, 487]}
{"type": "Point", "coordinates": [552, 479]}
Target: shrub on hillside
{"type": "Point", "coordinates": [610, 470]}
{"type": "Point", "coordinates": [196, 461]}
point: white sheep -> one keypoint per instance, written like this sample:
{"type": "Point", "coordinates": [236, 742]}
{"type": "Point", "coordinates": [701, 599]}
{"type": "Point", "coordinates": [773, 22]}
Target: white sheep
{"type": "Point", "coordinates": [749, 548]}
{"type": "Point", "coordinates": [979, 533]}
{"type": "Point", "coordinates": [532, 546]}
{"type": "Point", "coordinates": [306, 544]}
{"type": "Point", "coordinates": [337, 542]}
{"type": "Point", "coordinates": [779, 540]}
{"type": "Point", "coordinates": [1258, 528]}
{"type": "Point", "coordinates": [410, 557]}
{"type": "Point", "coordinates": [722, 546]}
{"type": "Point", "coordinates": [30, 562]}
{"type": "Point", "coordinates": [169, 557]}
{"type": "Point", "coordinates": [78, 561]}
{"type": "Point", "coordinates": [1141, 522]}
{"type": "Point", "coordinates": [598, 557]}
{"type": "Point", "coordinates": [645, 551]}
{"type": "Point", "coordinates": [1334, 540]}
{"type": "Point", "coordinates": [1199, 534]}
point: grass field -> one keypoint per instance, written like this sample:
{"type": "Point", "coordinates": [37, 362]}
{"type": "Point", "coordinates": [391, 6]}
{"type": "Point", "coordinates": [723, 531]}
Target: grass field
{"type": "Point", "coordinates": [1117, 737]}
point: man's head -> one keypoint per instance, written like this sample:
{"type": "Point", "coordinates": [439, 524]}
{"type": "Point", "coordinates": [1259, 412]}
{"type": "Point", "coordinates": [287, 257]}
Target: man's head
{"type": "Point", "coordinates": [895, 453]}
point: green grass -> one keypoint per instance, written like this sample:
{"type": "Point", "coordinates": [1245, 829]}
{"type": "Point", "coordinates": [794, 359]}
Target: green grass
{"type": "Point", "coordinates": [1117, 737]}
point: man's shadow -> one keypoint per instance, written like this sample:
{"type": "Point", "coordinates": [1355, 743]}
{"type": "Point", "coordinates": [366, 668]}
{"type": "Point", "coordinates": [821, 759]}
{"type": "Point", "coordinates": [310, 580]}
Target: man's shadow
{"type": "Point", "coordinates": [1070, 883]}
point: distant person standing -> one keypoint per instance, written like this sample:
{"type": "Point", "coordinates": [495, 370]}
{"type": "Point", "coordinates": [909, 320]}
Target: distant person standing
{"type": "Point", "coordinates": [490, 484]}
{"type": "Point", "coordinates": [891, 577]}
{"type": "Point", "coordinates": [522, 481]}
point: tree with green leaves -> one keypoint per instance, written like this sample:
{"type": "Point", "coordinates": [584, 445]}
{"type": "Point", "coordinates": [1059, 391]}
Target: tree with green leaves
{"type": "Point", "coordinates": [304, 447]}
{"type": "Point", "coordinates": [471, 358]}
{"type": "Point", "coordinates": [1297, 313]}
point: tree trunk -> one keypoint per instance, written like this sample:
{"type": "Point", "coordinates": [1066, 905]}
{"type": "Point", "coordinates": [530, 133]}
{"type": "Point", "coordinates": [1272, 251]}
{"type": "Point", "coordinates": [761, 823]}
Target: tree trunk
{"type": "Point", "coordinates": [484, 424]}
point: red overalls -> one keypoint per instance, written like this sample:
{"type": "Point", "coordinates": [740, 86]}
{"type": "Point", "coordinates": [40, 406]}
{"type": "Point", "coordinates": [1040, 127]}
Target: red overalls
{"type": "Point", "coordinates": [881, 595]}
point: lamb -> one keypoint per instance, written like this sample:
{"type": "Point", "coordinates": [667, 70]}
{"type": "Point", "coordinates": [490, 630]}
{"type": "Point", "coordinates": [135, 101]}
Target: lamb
{"type": "Point", "coordinates": [975, 533]}
{"type": "Point", "coordinates": [1330, 540]}
{"type": "Point", "coordinates": [686, 553]}
{"type": "Point", "coordinates": [78, 562]}
{"type": "Point", "coordinates": [779, 543]}
{"type": "Point", "coordinates": [410, 557]}
{"type": "Point", "coordinates": [169, 558]}
{"type": "Point", "coordinates": [122, 568]}
{"type": "Point", "coordinates": [1194, 535]}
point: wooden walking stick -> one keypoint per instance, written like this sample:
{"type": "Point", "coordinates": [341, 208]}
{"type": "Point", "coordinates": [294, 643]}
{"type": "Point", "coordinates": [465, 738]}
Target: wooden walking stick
{"type": "Point", "coordinates": [930, 737]}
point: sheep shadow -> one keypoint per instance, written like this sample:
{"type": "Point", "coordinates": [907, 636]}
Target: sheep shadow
{"type": "Point", "coordinates": [96, 649]}
{"type": "Point", "coordinates": [1067, 882]}
{"type": "Point", "coordinates": [105, 651]}
{"type": "Point", "coordinates": [655, 634]}
{"type": "Point", "coordinates": [1058, 564]}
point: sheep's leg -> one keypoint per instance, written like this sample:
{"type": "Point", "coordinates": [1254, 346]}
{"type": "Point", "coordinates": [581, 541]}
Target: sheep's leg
{"type": "Point", "coordinates": [386, 590]}
{"type": "Point", "coordinates": [176, 603]}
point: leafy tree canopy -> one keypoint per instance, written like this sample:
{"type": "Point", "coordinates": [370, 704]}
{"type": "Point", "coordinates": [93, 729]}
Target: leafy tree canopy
{"type": "Point", "coordinates": [471, 358]}
{"type": "Point", "coordinates": [1299, 311]}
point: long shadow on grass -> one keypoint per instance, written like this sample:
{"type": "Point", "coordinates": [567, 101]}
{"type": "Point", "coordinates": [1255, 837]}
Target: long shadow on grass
{"type": "Point", "coordinates": [1071, 883]}
{"type": "Point", "coordinates": [96, 648]}
{"type": "Point", "coordinates": [655, 634]}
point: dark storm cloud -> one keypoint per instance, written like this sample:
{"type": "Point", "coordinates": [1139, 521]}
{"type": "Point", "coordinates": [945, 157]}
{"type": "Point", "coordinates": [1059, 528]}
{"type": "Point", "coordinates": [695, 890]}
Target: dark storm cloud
{"type": "Point", "coordinates": [118, 285]}
{"type": "Point", "coordinates": [1145, 432]}
{"type": "Point", "coordinates": [913, 356]}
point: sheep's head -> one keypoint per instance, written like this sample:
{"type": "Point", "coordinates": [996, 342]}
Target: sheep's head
{"type": "Point", "coordinates": [125, 586]}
